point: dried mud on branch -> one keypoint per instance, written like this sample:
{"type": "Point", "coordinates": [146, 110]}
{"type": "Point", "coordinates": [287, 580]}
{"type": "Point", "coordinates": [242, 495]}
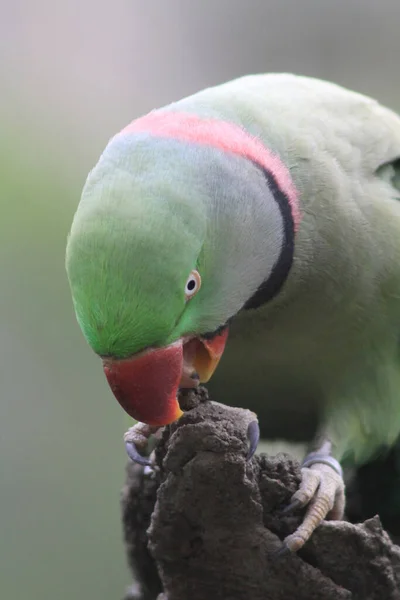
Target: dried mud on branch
{"type": "Point", "coordinates": [207, 524]}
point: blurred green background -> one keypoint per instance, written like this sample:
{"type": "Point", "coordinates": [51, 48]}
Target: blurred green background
{"type": "Point", "coordinates": [71, 75]}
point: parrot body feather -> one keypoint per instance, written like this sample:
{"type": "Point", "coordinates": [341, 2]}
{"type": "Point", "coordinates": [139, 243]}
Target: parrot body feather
{"type": "Point", "coordinates": [331, 338]}
{"type": "Point", "coordinates": [280, 196]}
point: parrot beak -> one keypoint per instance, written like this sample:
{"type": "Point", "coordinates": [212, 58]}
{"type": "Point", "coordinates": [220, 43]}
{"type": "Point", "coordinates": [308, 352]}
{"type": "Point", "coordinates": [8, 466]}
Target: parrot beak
{"type": "Point", "coordinates": [146, 385]}
{"type": "Point", "coordinates": [204, 354]}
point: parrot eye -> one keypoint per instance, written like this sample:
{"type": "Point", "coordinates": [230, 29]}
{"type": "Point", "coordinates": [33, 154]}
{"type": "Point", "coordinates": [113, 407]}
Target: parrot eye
{"type": "Point", "coordinates": [192, 285]}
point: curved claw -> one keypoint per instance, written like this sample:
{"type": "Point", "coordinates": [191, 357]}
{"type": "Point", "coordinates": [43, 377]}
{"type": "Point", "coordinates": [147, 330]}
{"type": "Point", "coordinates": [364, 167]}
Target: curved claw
{"type": "Point", "coordinates": [294, 505]}
{"type": "Point", "coordinates": [253, 435]}
{"type": "Point", "coordinates": [281, 553]}
{"type": "Point", "coordinates": [134, 455]}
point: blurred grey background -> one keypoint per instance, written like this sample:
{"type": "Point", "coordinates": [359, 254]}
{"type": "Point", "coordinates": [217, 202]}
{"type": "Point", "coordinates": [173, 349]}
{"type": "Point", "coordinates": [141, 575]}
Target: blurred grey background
{"type": "Point", "coordinates": [71, 75]}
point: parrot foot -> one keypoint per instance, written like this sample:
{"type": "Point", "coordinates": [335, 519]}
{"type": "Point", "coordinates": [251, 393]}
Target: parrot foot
{"type": "Point", "coordinates": [322, 489]}
{"type": "Point", "coordinates": [137, 438]}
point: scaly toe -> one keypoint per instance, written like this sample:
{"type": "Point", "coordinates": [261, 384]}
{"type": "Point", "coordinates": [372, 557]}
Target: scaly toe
{"type": "Point", "coordinates": [294, 542]}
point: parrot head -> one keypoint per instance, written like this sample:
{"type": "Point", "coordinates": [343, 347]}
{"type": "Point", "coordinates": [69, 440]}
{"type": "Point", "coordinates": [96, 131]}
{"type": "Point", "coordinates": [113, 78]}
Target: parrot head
{"type": "Point", "coordinates": [151, 293]}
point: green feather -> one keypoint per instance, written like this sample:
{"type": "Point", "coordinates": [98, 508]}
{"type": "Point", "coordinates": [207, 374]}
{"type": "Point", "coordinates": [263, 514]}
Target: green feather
{"type": "Point", "coordinates": [125, 229]}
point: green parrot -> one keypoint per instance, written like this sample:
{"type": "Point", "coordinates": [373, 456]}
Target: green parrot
{"type": "Point", "coordinates": [256, 223]}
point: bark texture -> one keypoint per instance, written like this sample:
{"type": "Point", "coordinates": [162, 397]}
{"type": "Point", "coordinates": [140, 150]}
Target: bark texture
{"type": "Point", "coordinates": [206, 525]}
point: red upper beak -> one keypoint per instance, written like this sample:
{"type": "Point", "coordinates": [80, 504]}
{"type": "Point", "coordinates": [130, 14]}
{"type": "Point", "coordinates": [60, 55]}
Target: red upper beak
{"type": "Point", "coordinates": [146, 385]}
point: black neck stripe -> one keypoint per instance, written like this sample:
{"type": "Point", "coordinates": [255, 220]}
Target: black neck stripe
{"type": "Point", "coordinates": [270, 287]}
